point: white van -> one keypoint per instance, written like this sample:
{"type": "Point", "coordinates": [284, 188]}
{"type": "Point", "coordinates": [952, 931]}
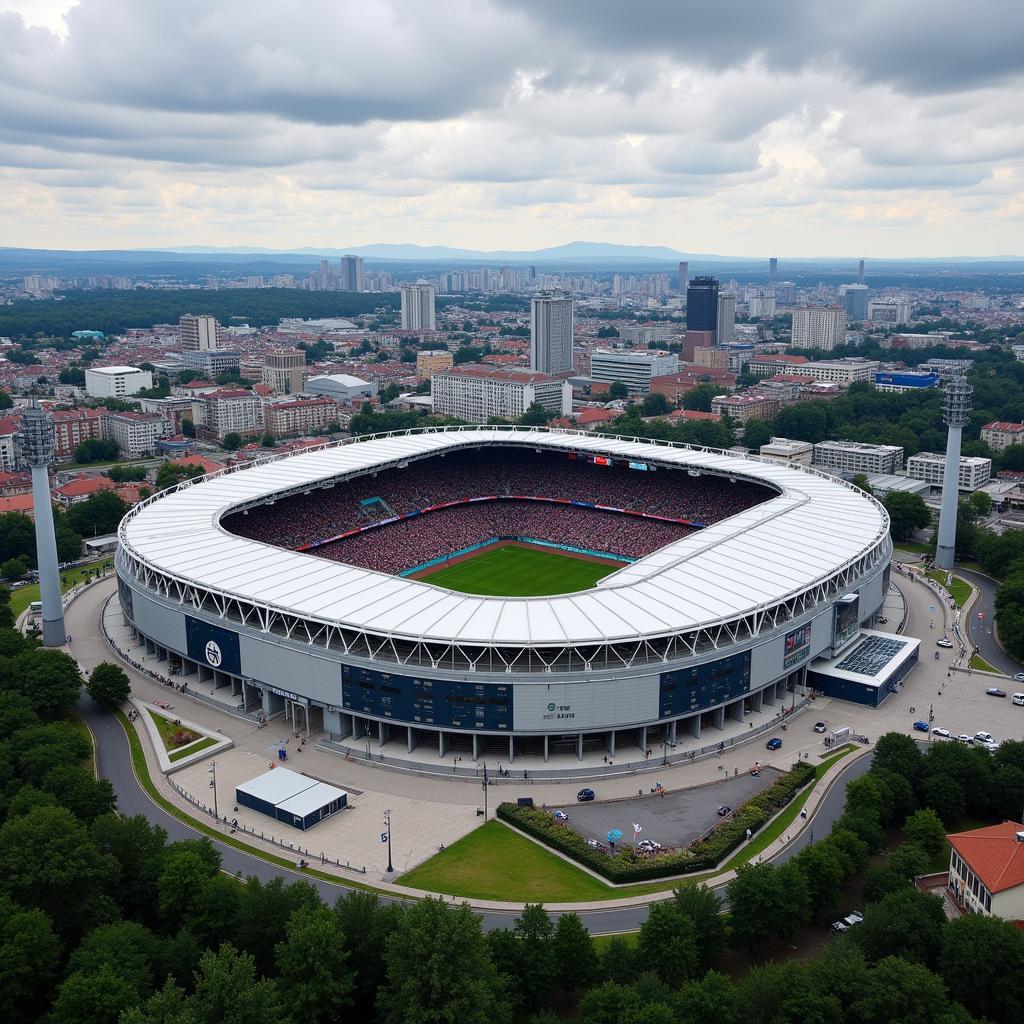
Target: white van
{"type": "Point", "coordinates": [1018, 699]}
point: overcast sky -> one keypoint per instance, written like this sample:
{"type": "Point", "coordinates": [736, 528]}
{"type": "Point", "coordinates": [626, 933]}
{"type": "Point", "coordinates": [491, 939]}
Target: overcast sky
{"type": "Point", "coordinates": [877, 127]}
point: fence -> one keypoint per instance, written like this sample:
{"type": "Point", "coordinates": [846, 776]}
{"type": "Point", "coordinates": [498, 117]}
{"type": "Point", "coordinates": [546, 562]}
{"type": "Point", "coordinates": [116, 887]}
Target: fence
{"type": "Point", "coordinates": [236, 826]}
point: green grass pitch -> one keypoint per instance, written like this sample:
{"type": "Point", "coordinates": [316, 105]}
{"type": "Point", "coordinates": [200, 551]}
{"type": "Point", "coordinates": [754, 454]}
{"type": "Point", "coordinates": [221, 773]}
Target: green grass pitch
{"type": "Point", "coordinates": [520, 572]}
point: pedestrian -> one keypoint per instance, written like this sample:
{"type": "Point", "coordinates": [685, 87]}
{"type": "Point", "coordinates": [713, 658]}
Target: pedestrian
{"type": "Point", "coordinates": [525, 776]}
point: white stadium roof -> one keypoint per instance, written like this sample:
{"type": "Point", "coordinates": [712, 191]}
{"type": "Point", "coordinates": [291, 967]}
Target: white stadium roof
{"type": "Point", "coordinates": [813, 530]}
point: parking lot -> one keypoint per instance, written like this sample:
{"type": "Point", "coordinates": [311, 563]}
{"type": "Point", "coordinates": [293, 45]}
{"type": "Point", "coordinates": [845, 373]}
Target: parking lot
{"type": "Point", "coordinates": [672, 820]}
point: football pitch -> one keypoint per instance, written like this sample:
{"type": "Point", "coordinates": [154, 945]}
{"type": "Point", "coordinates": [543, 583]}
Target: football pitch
{"type": "Point", "coordinates": [514, 571]}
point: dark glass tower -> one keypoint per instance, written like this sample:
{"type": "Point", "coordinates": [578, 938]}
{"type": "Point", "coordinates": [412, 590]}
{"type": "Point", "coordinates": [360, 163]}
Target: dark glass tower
{"type": "Point", "coordinates": [702, 304]}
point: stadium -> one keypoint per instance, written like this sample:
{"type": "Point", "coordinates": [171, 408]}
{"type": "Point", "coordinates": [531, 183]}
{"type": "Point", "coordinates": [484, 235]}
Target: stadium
{"type": "Point", "coordinates": [498, 592]}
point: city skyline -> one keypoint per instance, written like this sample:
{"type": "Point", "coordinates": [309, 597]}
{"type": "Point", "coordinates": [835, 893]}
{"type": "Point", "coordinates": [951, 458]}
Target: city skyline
{"type": "Point", "coordinates": [814, 129]}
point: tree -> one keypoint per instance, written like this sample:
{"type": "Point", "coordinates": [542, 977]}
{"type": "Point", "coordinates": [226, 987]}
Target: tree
{"type": "Point", "coordinates": [185, 869]}
{"type": "Point", "coordinates": [895, 982]}
{"type": "Point", "coordinates": [366, 924]}
{"type": "Point", "coordinates": [906, 923]}
{"type": "Point", "coordinates": [607, 332]}
{"type": "Point", "coordinates": [757, 433]}
{"type": "Point", "coordinates": [94, 449]}
{"type": "Point", "coordinates": [98, 998]}
{"type": "Point", "coordinates": [128, 947]}
{"type": "Point", "coordinates": [108, 685]}
{"type": "Point", "coordinates": [899, 753]}
{"type": "Point", "coordinates": [655, 405]}
{"type": "Point", "coordinates": [14, 568]}
{"type": "Point", "coordinates": [232, 442]}
{"type": "Point", "coordinates": [982, 961]}
{"type": "Point", "coordinates": [617, 390]}
{"type": "Point", "coordinates": [534, 935]}
{"type": "Point", "coordinates": [29, 961]}
{"type": "Point", "coordinates": [314, 977]}
{"type": "Point", "coordinates": [78, 789]}
{"type": "Point", "coordinates": [48, 678]}
{"type": "Point", "coordinates": [228, 991]}
{"type": "Point", "coordinates": [138, 849]}
{"type": "Point", "coordinates": [700, 397]}
{"type": "Point", "coordinates": [6, 402]}
{"type": "Point", "coordinates": [860, 481]}
{"type": "Point", "coordinates": [668, 944]}
{"type": "Point", "coordinates": [609, 1002]}
{"type": "Point", "coordinates": [439, 970]}
{"type": "Point", "coordinates": [576, 963]}
{"type": "Point", "coordinates": [907, 514]}
{"type": "Point", "coordinates": [945, 795]}
{"type": "Point", "coordinates": [188, 428]}
{"type": "Point", "coordinates": [618, 961]}
{"type": "Point", "coordinates": [908, 860]}
{"type": "Point", "coordinates": [981, 504]}
{"type": "Point", "coordinates": [535, 416]}
{"type": "Point", "coordinates": [700, 905]}
{"type": "Point", "coordinates": [766, 901]}
{"type": "Point", "coordinates": [711, 1000]}
{"type": "Point", "coordinates": [267, 441]}
{"type": "Point", "coordinates": [823, 870]}
{"type": "Point", "coordinates": [98, 515]}
{"type": "Point", "coordinates": [925, 829]}
{"type": "Point", "coordinates": [126, 474]}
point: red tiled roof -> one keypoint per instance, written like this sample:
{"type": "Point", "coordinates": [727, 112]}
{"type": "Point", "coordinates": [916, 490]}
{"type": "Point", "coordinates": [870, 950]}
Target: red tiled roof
{"type": "Point", "coordinates": [17, 503]}
{"type": "Point", "coordinates": [1010, 428]}
{"type": "Point", "coordinates": [86, 485]}
{"type": "Point", "coordinates": [694, 414]}
{"type": "Point", "coordinates": [994, 854]}
{"type": "Point", "coordinates": [596, 416]}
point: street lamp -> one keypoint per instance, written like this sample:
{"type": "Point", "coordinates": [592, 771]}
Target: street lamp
{"type": "Point", "coordinates": [485, 790]}
{"type": "Point", "coordinates": [213, 786]}
{"type": "Point", "coordinates": [387, 832]}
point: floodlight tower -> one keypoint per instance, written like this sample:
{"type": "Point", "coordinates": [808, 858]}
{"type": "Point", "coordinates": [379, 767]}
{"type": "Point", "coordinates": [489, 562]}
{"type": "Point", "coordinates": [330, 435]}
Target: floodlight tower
{"type": "Point", "coordinates": [956, 408]}
{"type": "Point", "coordinates": [36, 441]}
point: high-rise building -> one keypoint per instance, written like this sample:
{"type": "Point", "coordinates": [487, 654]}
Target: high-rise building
{"type": "Point", "coordinates": [726, 320]}
{"type": "Point", "coordinates": [353, 276]}
{"type": "Point", "coordinates": [855, 301]}
{"type": "Point", "coordinates": [475, 392]}
{"type": "Point", "coordinates": [684, 276]}
{"type": "Point", "coordinates": [36, 443]}
{"type": "Point", "coordinates": [285, 370]}
{"type": "Point", "coordinates": [198, 333]}
{"type": "Point", "coordinates": [773, 268]}
{"type": "Point", "coordinates": [417, 307]}
{"type": "Point", "coordinates": [860, 272]}
{"type": "Point", "coordinates": [702, 304]}
{"type": "Point", "coordinates": [324, 279]}
{"type": "Point", "coordinates": [551, 329]}
{"type": "Point", "coordinates": [822, 327]}
{"type": "Point", "coordinates": [889, 311]}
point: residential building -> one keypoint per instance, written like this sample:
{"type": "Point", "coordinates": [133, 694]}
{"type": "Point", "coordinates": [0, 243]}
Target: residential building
{"type": "Point", "coordinates": [73, 426]}
{"type": "Point", "coordinates": [210, 361]}
{"type": "Point", "coordinates": [198, 333]}
{"type": "Point", "coordinates": [836, 371]}
{"type": "Point", "coordinates": [702, 305]}
{"type": "Point", "coordinates": [782, 449]}
{"type": "Point", "coordinates": [714, 357]}
{"type": "Point", "coordinates": [81, 488]}
{"type": "Point", "coordinates": [674, 385]}
{"type": "Point", "coordinates": [986, 870]}
{"type": "Point", "coordinates": [172, 409]}
{"type": "Point", "coordinates": [634, 368]}
{"type": "Point", "coordinates": [285, 370]}
{"type": "Point", "coordinates": [649, 334]}
{"type": "Point", "coordinates": [684, 276]}
{"type": "Point", "coordinates": [475, 392]}
{"type": "Point", "coordinates": [418, 307]}
{"type": "Point", "coordinates": [341, 388]}
{"type": "Point", "coordinates": [725, 322]}
{"type": "Point", "coordinates": [136, 433]}
{"type": "Point", "coordinates": [889, 311]}
{"type": "Point", "coordinates": [1018, 353]}
{"type": "Point", "coordinates": [905, 380]}
{"type": "Point", "coordinates": [353, 275]}
{"type": "Point", "coordinates": [743, 408]}
{"type": "Point", "coordinates": [916, 340]}
{"type": "Point", "coordinates": [116, 381]}
{"type": "Point", "coordinates": [693, 340]}
{"type": "Point", "coordinates": [9, 427]}
{"type": "Point", "coordinates": [429, 361]}
{"type": "Point", "coordinates": [974, 471]}
{"type": "Point", "coordinates": [855, 301]}
{"type": "Point", "coordinates": [228, 411]}
{"type": "Point", "coordinates": [761, 304]}
{"type": "Point", "coordinates": [768, 366]}
{"type": "Point", "coordinates": [300, 416]}
{"type": "Point", "coordinates": [551, 333]}
{"type": "Point", "coordinates": [822, 327]}
{"type": "Point", "coordinates": [999, 435]}
{"type": "Point", "coordinates": [857, 457]}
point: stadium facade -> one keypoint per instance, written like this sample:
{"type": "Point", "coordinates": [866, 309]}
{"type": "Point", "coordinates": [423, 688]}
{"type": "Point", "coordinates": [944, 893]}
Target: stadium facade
{"type": "Point", "coordinates": [719, 623]}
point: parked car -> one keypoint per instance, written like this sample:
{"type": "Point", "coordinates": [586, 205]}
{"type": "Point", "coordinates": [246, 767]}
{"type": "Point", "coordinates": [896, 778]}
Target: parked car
{"type": "Point", "coordinates": [1018, 677]}
{"type": "Point", "coordinates": [840, 926]}
{"type": "Point", "coordinates": [648, 846]}
{"type": "Point", "coordinates": [964, 738]}
{"type": "Point", "coordinates": [939, 731]}
{"type": "Point", "coordinates": [723, 810]}
{"type": "Point", "coordinates": [774, 743]}
{"type": "Point", "coordinates": [881, 620]}
{"type": "Point", "coordinates": [943, 641]}
{"type": "Point", "coordinates": [1018, 699]}
{"type": "Point", "coordinates": [921, 726]}
{"type": "Point", "coordinates": [855, 917]}
{"type": "Point", "coordinates": [585, 794]}
{"type": "Point", "coordinates": [820, 727]}
{"type": "Point", "coordinates": [984, 737]}
{"type": "Point", "coordinates": [994, 691]}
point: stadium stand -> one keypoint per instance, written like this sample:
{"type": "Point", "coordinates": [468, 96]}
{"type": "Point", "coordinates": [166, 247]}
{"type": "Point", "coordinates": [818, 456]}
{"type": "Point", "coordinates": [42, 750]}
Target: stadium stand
{"type": "Point", "coordinates": [309, 520]}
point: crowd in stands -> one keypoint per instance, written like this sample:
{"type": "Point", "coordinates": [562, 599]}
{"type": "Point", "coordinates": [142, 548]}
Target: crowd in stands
{"type": "Point", "coordinates": [411, 542]}
{"type": "Point", "coordinates": [311, 519]}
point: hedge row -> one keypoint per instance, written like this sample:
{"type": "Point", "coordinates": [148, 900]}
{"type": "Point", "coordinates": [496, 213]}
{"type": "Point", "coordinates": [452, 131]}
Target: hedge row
{"type": "Point", "coordinates": [701, 855]}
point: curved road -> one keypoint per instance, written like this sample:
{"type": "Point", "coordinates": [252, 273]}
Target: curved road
{"type": "Point", "coordinates": [113, 762]}
{"type": "Point", "coordinates": [982, 631]}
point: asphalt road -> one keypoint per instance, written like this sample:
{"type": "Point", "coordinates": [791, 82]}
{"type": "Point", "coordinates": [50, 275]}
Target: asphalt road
{"type": "Point", "coordinates": [113, 762]}
{"type": "Point", "coordinates": [982, 631]}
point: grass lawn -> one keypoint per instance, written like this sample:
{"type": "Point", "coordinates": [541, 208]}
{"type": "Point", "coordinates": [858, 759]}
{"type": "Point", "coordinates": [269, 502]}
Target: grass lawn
{"type": "Point", "coordinates": [514, 571]}
{"type": "Point", "coordinates": [978, 662]}
{"type": "Point", "coordinates": [24, 596]}
{"type": "Point", "coordinates": [168, 730]}
{"type": "Point", "coordinates": [959, 590]}
{"type": "Point", "coordinates": [192, 748]}
{"type": "Point", "coordinates": [915, 546]}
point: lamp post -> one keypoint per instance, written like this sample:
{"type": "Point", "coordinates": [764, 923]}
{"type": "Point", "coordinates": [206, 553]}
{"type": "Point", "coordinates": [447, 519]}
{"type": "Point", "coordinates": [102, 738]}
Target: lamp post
{"type": "Point", "coordinates": [213, 786]}
{"type": "Point", "coordinates": [387, 832]}
{"type": "Point", "coordinates": [485, 790]}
